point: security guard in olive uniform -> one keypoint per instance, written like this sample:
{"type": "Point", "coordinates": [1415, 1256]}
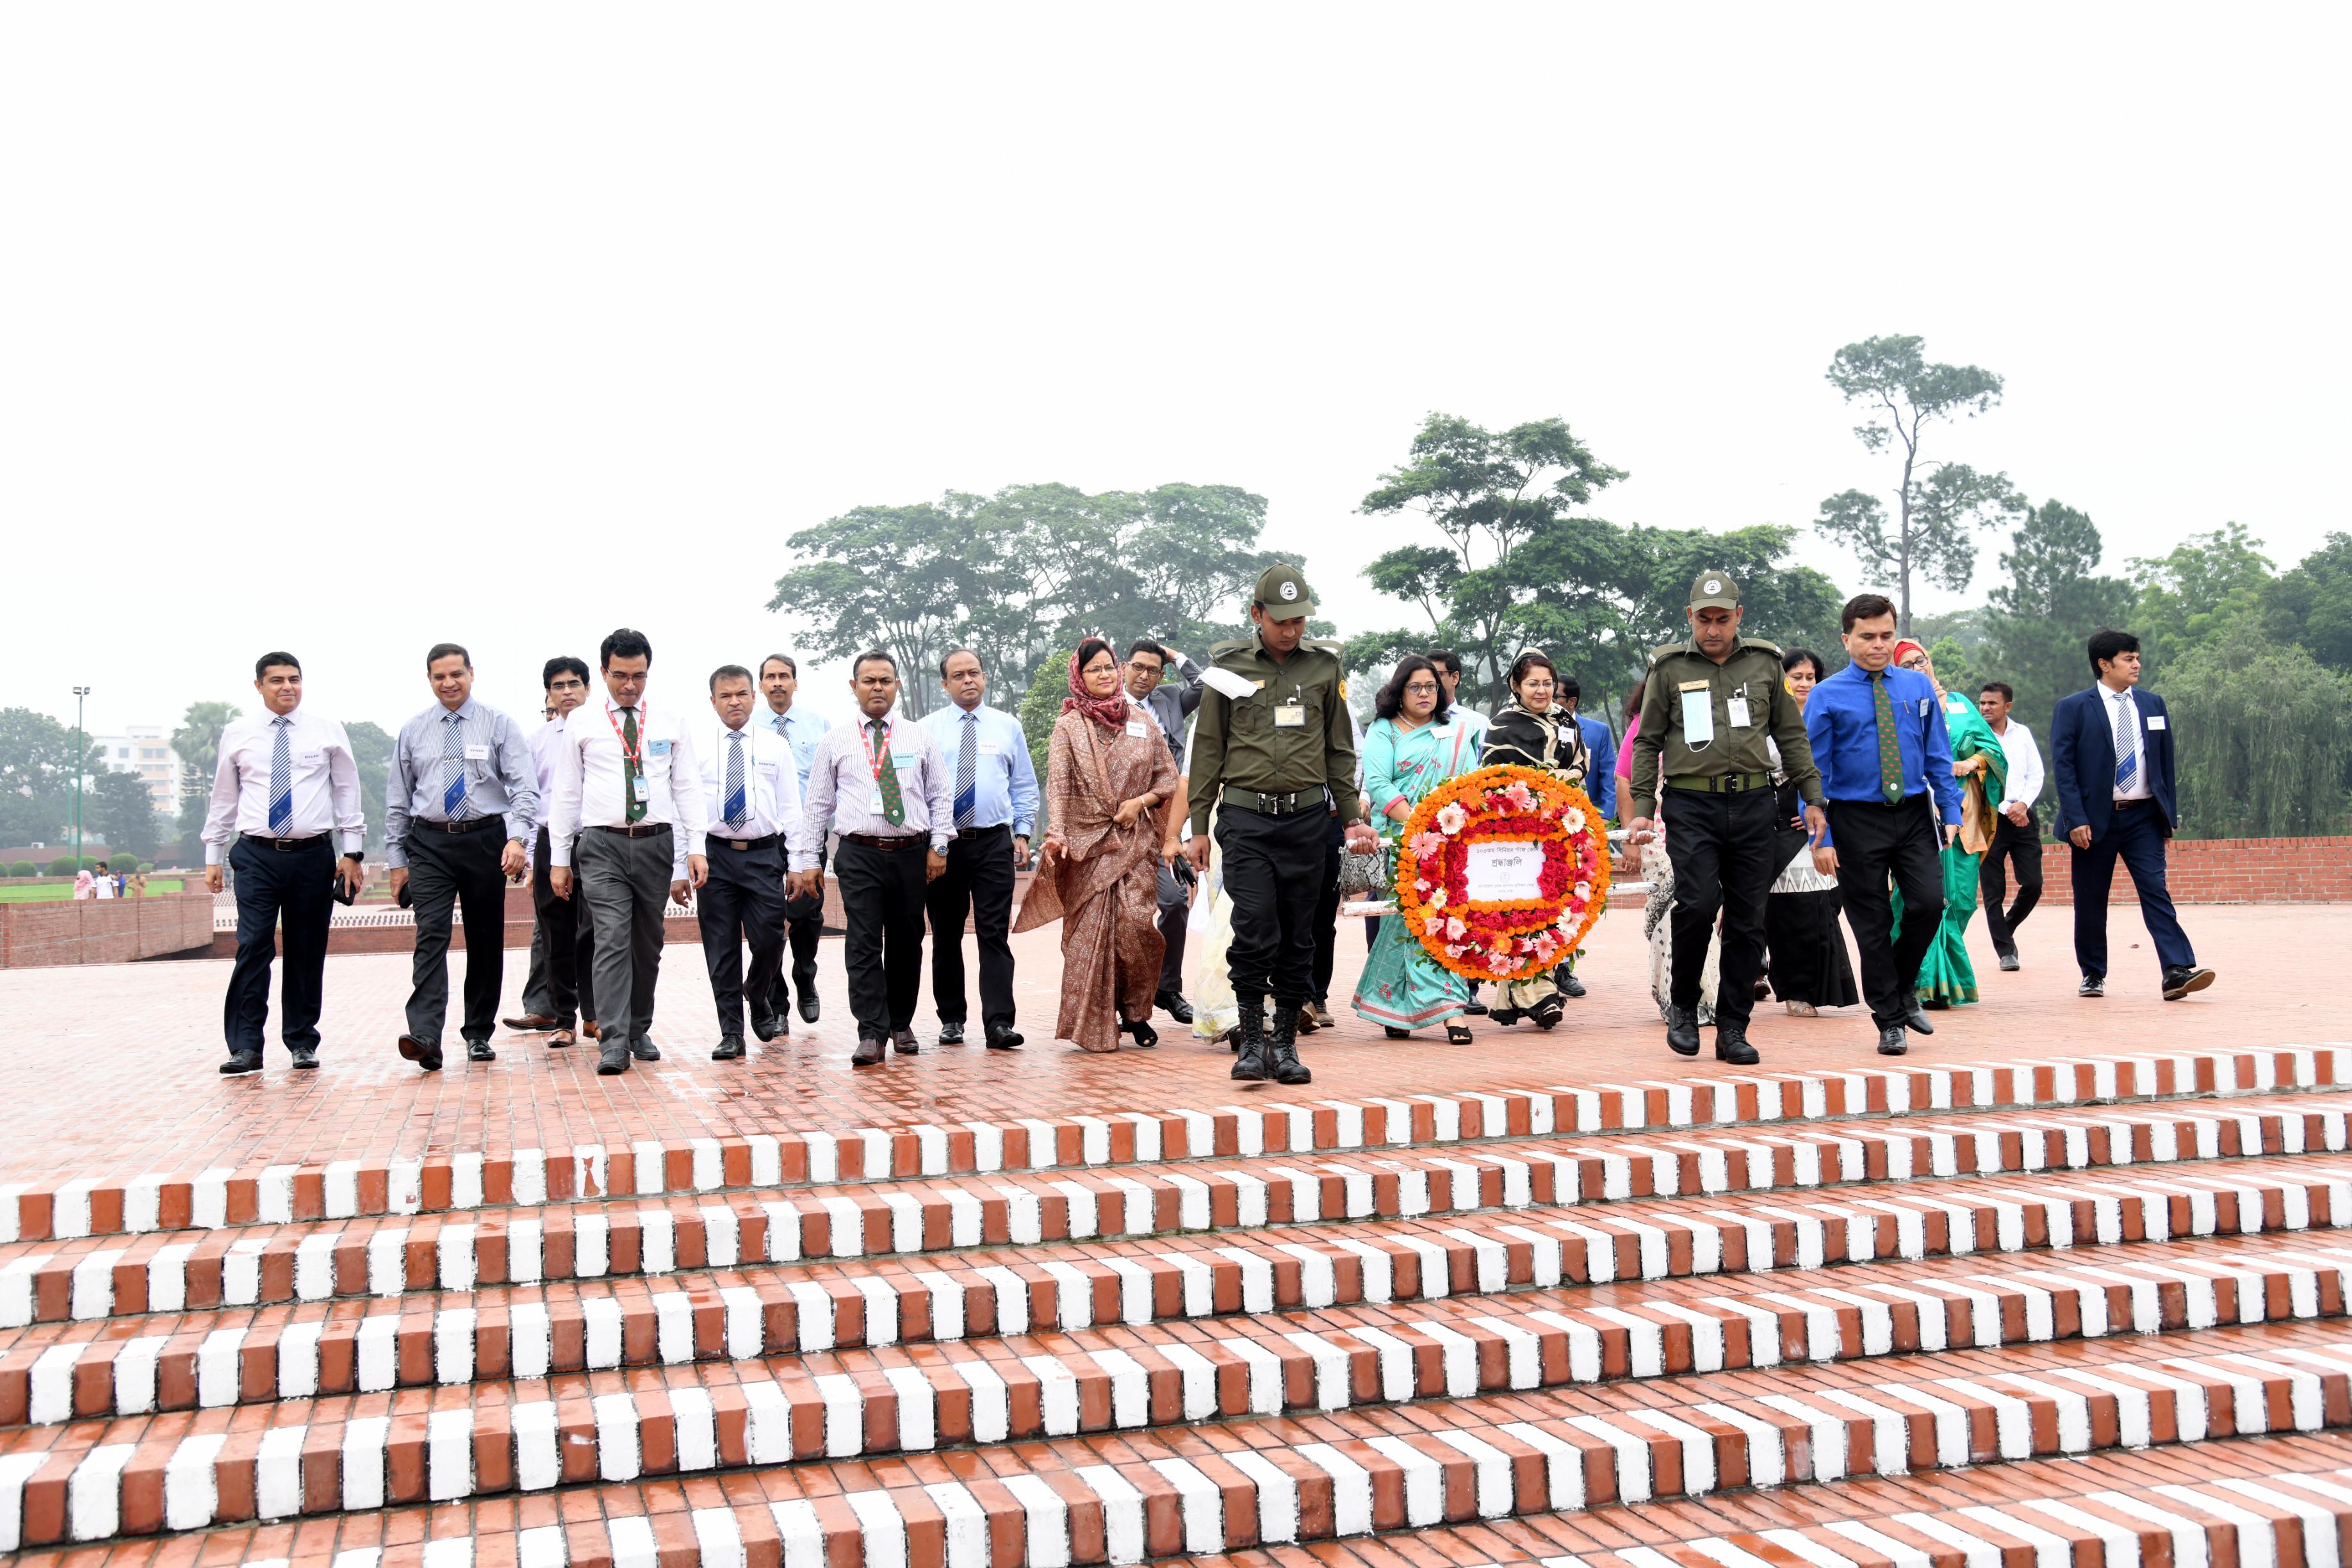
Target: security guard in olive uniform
{"type": "Point", "coordinates": [1709, 704]}
{"type": "Point", "coordinates": [1281, 759]}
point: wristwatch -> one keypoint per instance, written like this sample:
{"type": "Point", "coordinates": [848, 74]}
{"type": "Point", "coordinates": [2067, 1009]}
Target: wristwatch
{"type": "Point", "coordinates": [355, 856]}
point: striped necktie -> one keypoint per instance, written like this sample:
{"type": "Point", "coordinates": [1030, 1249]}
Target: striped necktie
{"type": "Point", "coordinates": [2127, 743]}
{"type": "Point", "coordinates": [453, 768]}
{"type": "Point", "coordinates": [967, 796]}
{"type": "Point", "coordinates": [736, 793]}
{"type": "Point", "coordinates": [281, 778]}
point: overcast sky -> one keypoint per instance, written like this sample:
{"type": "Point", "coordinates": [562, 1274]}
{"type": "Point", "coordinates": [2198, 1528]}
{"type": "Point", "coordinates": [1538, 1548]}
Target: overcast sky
{"type": "Point", "coordinates": [348, 328]}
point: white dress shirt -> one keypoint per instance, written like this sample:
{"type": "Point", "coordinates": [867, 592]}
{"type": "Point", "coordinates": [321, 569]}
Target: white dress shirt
{"type": "Point", "coordinates": [590, 790]}
{"type": "Point", "coordinates": [771, 787]}
{"type": "Point", "coordinates": [2025, 775]}
{"type": "Point", "coordinates": [326, 783]}
{"type": "Point", "coordinates": [2120, 708]}
{"type": "Point", "coordinates": [842, 794]}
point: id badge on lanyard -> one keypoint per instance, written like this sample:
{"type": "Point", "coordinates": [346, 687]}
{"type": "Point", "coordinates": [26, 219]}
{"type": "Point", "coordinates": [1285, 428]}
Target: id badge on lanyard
{"type": "Point", "coordinates": [873, 760]}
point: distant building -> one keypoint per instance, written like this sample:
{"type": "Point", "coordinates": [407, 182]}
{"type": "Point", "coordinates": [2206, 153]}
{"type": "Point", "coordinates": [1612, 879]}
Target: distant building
{"type": "Point", "coordinates": [146, 750]}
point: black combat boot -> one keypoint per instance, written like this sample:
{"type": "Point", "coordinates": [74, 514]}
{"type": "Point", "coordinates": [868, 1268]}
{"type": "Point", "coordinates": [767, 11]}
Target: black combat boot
{"type": "Point", "coordinates": [1284, 1047]}
{"type": "Point", "coordinates": [1251, 1064]}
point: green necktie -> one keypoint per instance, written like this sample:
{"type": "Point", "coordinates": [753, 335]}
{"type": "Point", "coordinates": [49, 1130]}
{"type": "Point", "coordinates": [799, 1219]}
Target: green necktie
{"type": "Point", "coordinates": [633, 767]}
{"type": "Point", "coordinates": [1890, 748]}
{"type": "Point", "coordinates": [885, 781]}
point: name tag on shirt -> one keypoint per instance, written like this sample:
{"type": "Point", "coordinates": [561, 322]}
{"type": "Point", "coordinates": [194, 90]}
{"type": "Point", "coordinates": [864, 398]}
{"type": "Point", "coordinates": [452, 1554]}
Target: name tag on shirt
{"type": "Point", "coordinates": [1288, 716]}
{"type": "Point", "coordinates": [1926, 706]}
{"type": "Point", "coordinates": [989, 748]}
{"type": "Point", "coordinates": [2156, 721]}
{"type": "Point", "coordinates": [1138, 729]}
{"type": "Point", "coordinates": [1736, 710]}
{"type": "Point", "coordinates": [658, 748]}
{"type": "Point", "coordinates": [477, 752]}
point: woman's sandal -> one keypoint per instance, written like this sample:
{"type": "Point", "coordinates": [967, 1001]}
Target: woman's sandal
{"type": "Point", "coordinates": [1393, 1033]}
{"type": "Point", "coordinates": [1143, 1033]}
{"type": "Point", "coordinates": [1458, 1034]}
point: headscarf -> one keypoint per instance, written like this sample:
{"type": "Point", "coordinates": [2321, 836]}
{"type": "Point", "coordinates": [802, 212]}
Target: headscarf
{"type": "Point", "coordinates": [1932, 679]}
{"type": "Point", "coordinates": [1110, 712]}
{"type": "Point", "coordinates": [1906, 642]}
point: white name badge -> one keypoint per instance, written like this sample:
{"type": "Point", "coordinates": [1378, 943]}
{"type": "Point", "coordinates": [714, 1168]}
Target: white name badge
{"type": "Point", "coordinates": [1503, 872]}
{"type": "Point", "coordinates": [477, 752]}
{"type": "Point", "coordinates": [1698, 715]}
{"type": "Point", "coordinates": [1137, 728]}
{"type": "Point", "coordinates": [2156, 721]}
{"type": "Point", "coordinates": [989, 748]}
{"type": "Point", "coordinates": [1736, 710]}
{"type": "Point", "coordinates": [658, 748]}
{"type": "Point", "coordinates": [1290, 716]}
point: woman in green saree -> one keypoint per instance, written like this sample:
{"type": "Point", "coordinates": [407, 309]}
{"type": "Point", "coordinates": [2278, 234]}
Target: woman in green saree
{"type": "Point", "coordinates": [1946, 975]}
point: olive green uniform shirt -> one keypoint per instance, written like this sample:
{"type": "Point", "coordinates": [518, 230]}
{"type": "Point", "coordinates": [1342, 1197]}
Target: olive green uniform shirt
{"type": "Point", "coordinates": [1752, 672]}
{"type": "Point", "coordinates": [1243, 744]}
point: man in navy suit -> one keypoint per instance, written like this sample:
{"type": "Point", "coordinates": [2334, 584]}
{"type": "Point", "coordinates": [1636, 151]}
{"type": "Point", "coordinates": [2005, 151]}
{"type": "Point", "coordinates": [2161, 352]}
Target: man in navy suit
{"type": "Point", "coordinates": [2112, 751]}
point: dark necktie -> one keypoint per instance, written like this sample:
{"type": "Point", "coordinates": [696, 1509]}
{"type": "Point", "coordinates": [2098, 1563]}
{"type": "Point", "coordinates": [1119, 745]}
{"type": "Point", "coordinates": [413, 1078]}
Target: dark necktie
{"type": "Point", "coordinates": [1890, 745]}
{"type": "Point", "coordinates": [633, 767]}
{"type": "Point", "coordinates": [886, 779]}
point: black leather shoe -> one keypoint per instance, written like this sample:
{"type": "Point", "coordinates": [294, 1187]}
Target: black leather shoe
{"type": "Point", "coordinates": [2093, 985]}
{"type": "Point", "coordinates": [479, 1051]}
{"type": "Point", "coordinates": [904, 1042]}
{"type": "Point", "coordinates": [305, 1057]}
{"type": "Point", "coordinates": [611, 1058]}
{"type": "Point", "coordinates": [1249, 1035]}
{"type": "Point", "coordinates": [1003, 1038]}
{"type": "Point", "coordinates": [1731, 1045]}
{"type": "Point", "coordinates": [1474, 1008]}
{"type": "Point", "coordinates": [1682, 1030]}
{"type": "Point", "coordinates": [867, 1054]}
{"type": "Point", "coordinates": [241, 1061]}
{"type": "Point", "coordinates": [2009, 963]}
{"type": "Point", "coordinates": [951, 1034]}
{"type": "Point", "coordinates": [1506, 1017]}
{"type": "Point", "coordinates": [1892, 1042]}
{"type": "Point", "coordinates": [1282, 1050]}
{"type": "Point", "coordinates": [1393, 1033]}
{"type": "Point", "coordinates": [808, 1004]}
{"type": "Point", "coordinates": [1174, 1005]}
{"type": "Point", "coordinates": [644, 1050]}
{"type": "Point", "coordinates": [415, 1050]}
{"type": "Point", "coordinates": [1570, 986]}
{"type": "Point", "coordinates": [1546, 1013]}
{"type": "Point", "coordinates": [1916, 1016]}
{"type": "Point", "coordinates": [769, 1027]}
{"type": "Point", "coordinates": [729, 1049]}
{"type": "Point", "coordinates": [2179, 983]}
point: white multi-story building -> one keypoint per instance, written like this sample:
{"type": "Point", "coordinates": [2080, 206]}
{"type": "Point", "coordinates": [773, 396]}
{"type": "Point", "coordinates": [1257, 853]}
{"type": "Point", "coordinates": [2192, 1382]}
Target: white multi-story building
{"type": "Point", "coordinates": [146, 750]}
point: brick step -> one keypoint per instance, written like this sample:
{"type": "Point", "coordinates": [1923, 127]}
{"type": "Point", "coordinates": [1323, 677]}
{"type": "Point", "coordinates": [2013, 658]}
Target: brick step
{"type": "Point", "coordinates": [1333, 1475]}
{"type": "Point", "coordinates": [65, 1206]}
{"type": "Point", "coordinates": [240, 1356]}
{"type": "Point", "coordinates": [1914, 1402]}
{"type": "Point", "coordinates": [95, 1277]}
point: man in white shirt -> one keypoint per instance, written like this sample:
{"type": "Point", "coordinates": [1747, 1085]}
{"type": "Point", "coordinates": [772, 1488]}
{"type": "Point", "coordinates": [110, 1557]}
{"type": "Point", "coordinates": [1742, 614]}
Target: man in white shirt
{"type": "Point", "coordinates": [995, 808]}
{"type": "Point", "coordinates": [627, 789]}
{"type": "Point", "coordinates": [287, 785]}
{"type": "Point", "coordinates": [802, 727]}
{"type": "Point", "coordinates": [751, 799]}
{"type": "Point", "coordinates": [564, 937]}
{"type": "Point", "coordinates": [885, 786]}
{"type": "Point", "coordinates": [2017, 838]}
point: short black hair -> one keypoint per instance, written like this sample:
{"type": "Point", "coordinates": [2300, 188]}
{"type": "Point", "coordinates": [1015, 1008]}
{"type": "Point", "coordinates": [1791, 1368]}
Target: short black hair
{"type": "Point", "coordinates": [1568, 686]}
{"type": "Point", "coordinates": [1389, 701]}
{"type": "Point", "coordinates": [2008, 692]}
{"type": "Point", "coordinates": [951, 653]}
{"type": "Point", "coordinates": [1797, 655]}
{"type": "Point", "coordinates": [1156, 650]}
{"type": "Point", "coordinates": [262, 664]}
{"type": "Point", "coordinates": [1865, 607]}
{"type": "Point", "coordinates": [2107, 643]}
{"type": "Point", "coordinates": [791, 667]}
{"type": "Point", "coordinates": [871, 656]}
{"type": "Point", "coordinates": [1445, 660]}
{"type": "Point", "coordinates": [1088, 648]}
{"type": "Point", "coordinates": [441, 650]}
{"type": "Point", "coordinates": [624, 644]}
{"type": "Point", "coordinates": [731, 672]}
{"type": "Point", "coordinates": [564, 663]}
{"type": "Point", "coordinates": [1527, 662]}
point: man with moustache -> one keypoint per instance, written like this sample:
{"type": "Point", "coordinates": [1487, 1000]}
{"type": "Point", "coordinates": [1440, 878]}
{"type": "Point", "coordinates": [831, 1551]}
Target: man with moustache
{"type": "Point", "coordinates": [752, 797]}
{"type": "Point", "coordinates": [802, 728]}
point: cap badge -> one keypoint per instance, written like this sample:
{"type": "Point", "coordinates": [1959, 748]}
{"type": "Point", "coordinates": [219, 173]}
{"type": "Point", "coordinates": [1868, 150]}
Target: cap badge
{"type": "Point", "coordinates": [1290, 591]}
{"type": "Point", "coordinates": [1714, 585]}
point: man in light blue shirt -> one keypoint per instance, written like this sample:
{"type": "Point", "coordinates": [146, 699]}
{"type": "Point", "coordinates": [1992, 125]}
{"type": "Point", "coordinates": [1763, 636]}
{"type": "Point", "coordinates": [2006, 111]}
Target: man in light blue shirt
{"type": "Point", "coordinates": [995, 790]}
{"type": "Point", "coordinates": [779, 683]}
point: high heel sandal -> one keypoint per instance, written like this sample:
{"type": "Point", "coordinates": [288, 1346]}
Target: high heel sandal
{"type": "Point", "coordinates": [1143, 1033]}
{"type": "Point", "coordinates": [1458, 1034]}
{"type": "Point", "coordinates": [1393, 1033]}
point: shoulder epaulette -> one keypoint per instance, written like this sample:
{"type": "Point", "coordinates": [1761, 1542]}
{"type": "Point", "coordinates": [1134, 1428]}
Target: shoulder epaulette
{"type": "Point", "coordinates": [1772, 647]}
{"type": "Point", "coordinates": [1324, 644]}
{"type": "Point", "coordinates": [1672, 648]}
{"type": "Point", "coordinates": [1238, 645]}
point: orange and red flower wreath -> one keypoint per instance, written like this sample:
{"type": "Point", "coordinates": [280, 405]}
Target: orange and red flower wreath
{"type": "Point", "coordinates": [1487, 940]}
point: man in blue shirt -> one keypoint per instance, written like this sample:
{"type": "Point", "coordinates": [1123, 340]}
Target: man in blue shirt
{"type": "Point", "coordinates": [1877, 732]}
{"type": "Point", "coordinates": [779, 683]}
{"type": "Point", "coordinates": [995, 791]}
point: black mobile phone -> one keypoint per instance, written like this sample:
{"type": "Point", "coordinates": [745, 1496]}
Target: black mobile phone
{"type": "Point", "coordinates": [1184, 872]}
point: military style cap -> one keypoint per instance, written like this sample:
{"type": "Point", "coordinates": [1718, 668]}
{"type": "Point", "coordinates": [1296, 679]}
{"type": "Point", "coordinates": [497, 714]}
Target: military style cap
{"type": "Point", "coordinates": [1283, 591]}
{"type": "Point", "coordinates": [1713, 590]}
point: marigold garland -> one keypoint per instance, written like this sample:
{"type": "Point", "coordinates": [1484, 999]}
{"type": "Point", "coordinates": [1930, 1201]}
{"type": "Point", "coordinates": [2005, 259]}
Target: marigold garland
{"type": "Point", "coordinates": [1489, 940]}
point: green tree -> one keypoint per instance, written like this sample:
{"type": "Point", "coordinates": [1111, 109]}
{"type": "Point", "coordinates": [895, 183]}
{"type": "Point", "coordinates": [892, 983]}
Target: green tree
{"type": "Point", "coordinates": [197, 740]}
{"type": "Point", "coordinates": [23, 869]}
{"type": "Point", "coordinates": [63, 866]}
{"type": "Point", "coordinates": [2207, 584]}
{"type": "Point", "coordinates": [122, 813]}
{"type": "Point", "coordinates": [2051, 599]}
{"type": "Point", "coordinates": [2264, 737]}
{"type": "Point", "coordinates": [1938, 505]}
{"type": "Point", "coordinates": [36, 774]}
{"type": "Point", "coordinates": [2312, 603]}
{"type": "Point", "coordinates": [372, 750]}
{"type": "Point", "coordinates": [1041, 704]}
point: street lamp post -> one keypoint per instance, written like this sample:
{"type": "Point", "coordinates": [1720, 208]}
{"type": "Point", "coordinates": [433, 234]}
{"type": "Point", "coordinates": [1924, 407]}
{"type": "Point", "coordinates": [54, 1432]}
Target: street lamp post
{"type": "Point", "coordinates": [81, 749]}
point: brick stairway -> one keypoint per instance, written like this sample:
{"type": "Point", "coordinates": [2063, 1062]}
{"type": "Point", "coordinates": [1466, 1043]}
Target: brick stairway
{"type": "Point", "coordinates": [1720, 1323]}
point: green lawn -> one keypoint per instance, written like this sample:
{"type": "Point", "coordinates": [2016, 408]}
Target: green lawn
{"type": "Point", "coordinates": [37, 892]}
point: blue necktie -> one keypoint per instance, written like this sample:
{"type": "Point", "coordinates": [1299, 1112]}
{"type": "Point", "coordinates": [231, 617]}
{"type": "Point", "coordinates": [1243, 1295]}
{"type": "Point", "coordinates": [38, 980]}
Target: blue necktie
{"type": "Point", "coordinates": [2126, 748]}
{"type": "Point", "coordinates": [281, 779]}
{"type": "Point", "coordinates": [967, 797]}
{"type": "Point", "coordinates": [453, 763]}
{"type": "Point", "coordinates": [735, 791]}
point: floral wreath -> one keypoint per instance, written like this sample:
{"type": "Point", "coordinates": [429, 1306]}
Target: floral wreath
{"type": "Point", "coordinates": [1507, 939]}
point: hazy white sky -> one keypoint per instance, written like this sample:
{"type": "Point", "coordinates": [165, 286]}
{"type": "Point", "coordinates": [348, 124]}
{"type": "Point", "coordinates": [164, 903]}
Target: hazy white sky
{"type": "Point", "coordinates": [349, 328]}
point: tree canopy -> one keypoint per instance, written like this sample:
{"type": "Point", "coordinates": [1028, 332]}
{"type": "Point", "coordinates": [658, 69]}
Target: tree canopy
{"type": "Point", "coordinates": [120, 811]}
{"type": "Point", "coordinates": [2051, 598]}
{"type": "Point", "coordinates": [37, 776]}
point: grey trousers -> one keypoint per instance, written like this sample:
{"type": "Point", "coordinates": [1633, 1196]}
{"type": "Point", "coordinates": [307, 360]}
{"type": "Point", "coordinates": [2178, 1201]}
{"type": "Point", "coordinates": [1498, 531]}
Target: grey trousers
{"type": "Point", "coordinates": [536, 998]}
{"type": "Point", "coordinates": [1175, 915]}
{"type": "Point", "coordinates": [626, 883]}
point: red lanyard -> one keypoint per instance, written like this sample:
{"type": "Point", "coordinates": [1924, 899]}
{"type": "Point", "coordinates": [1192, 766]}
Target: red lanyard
{"type": "Point", "coordinates": [874, 759]}
{"type": "Point", "coordinates": [629, 753]}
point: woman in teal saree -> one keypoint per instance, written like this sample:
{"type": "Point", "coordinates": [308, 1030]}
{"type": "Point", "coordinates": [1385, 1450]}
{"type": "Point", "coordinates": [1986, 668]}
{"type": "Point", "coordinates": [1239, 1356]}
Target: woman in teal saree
{"type": "Point", "coordinates": [1946, 975]}
{"type": "Point", "coordinates": [1414, 745]}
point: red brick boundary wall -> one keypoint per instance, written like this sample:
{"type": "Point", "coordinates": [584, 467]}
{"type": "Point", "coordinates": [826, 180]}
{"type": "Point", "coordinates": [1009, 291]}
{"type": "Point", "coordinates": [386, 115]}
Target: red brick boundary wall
{"type": "Point", "coordinates": [2226, 871]}
{"type": "Point", "coordinates": [103, 931]}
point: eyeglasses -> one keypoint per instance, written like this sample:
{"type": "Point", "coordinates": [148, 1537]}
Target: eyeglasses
{"type": "Point", "coordinates": [1421, 688]}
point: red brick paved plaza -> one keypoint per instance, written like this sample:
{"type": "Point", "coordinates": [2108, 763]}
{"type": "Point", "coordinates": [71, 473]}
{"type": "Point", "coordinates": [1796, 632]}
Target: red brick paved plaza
{"type": "Point", "coordinates": [1545, 1296]}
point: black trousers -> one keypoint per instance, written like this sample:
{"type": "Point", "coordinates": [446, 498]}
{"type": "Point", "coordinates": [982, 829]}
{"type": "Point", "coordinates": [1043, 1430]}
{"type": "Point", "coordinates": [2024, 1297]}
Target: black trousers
{"type": "Point", "coordinates": [2022, 846]}
{"type": "Point", "coordinates": [296, 886]}
{"type": "Point", "coordinates": [1875, 840]}
{"type": "Point", "coordinates": [882, 911]}
{"type": "Point", "coordinates": [626, 883]}
{"type": "Point", "coordinates": [804, 929]}
{"type": "Point", "coordinates": [1271, 865]}
{"type": "Point", "coordinates": [978, 881]}
{"type": "Point", "coordinates": [2135, 834]}
{"type": "Point", "coordinates": [1175, 918]}
{"type": "Point", "coordinates": [1327, 908]}
{"type": "Point", "coordinates": [445, 869]}
{"type": "Point", "coordinates": [1725, 859]}
{"type": "Point", "coordinates": [742, 905]}
{"type": "Point", "coordinates": [570, 945]}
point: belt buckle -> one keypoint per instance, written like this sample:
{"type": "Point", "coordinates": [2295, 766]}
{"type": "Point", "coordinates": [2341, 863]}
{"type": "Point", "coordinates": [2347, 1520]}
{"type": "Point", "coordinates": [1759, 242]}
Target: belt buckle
{"type": "Point", "coordinates": [740, 843]}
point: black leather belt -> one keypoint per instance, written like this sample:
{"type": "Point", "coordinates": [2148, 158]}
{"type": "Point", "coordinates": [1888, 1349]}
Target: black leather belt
{"type": "Point", "coordinates": [1720, 783]}
{"type": "Point", "coordinates": [745, 844]}
{"type": "Point", "coordinates": [286, 846]}
{"type": "Point", "coordinates": [635, 830]}
{"type": "Point", "coordinates": [2135, 805]}
{"type": "Point", "coordinates": [1289, 804]}
{"type": "Point", "coordinates": [885, 841]}
{"type": "Point", "coordinates": [472, 825]}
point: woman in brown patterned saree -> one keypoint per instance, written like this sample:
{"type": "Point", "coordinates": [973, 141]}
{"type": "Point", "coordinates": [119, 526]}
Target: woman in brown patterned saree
{"type": "Point", "coordinates": [1107, 774]}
